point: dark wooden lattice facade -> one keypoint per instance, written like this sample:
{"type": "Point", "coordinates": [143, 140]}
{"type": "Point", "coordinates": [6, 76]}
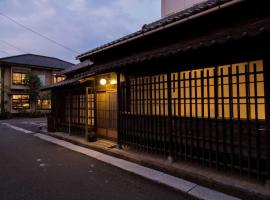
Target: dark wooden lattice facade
{"type": "Point", "coordinates": [215, 115]}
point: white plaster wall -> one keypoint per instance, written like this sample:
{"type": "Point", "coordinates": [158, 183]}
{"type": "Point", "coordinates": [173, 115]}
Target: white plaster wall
{"type": "Point", "coordinates": [169, 7]}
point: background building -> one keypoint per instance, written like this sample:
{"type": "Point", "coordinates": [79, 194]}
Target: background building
{"type": "Point", "coordinates": [13, 90]}
{"type": "Point", "coordinates": [169, 7]}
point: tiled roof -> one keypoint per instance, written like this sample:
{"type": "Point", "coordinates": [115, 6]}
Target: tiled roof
{"type": "Point", "coordinates": [217, 37]}
{"type": "Point", "coordinates": [37, 61]}
{"type": "Point", "coordinates": [81, 65]}
{"type": "Point", "coordinates": [198, 8]}
{"type": "Point", "coordinates": [71, 81]}
{"type": "Point", "coordinates": [62, 83]}
{"type": "Point", "coordinates": [246, 30]}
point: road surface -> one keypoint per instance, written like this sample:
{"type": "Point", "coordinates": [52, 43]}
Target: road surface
{"type": "Point", "coordinates": [33, 169]}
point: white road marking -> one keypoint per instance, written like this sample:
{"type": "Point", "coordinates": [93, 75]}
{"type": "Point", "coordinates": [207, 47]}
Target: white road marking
{"type": "Point", "coordinates": [17, 128]}
{"type": "Point", "coordinates": [151, 174]}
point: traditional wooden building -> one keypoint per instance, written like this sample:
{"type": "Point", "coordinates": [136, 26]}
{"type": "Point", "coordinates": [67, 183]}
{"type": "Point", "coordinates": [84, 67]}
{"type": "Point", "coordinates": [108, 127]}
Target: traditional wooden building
{"type": "Point", "coordinates": [192, 86]}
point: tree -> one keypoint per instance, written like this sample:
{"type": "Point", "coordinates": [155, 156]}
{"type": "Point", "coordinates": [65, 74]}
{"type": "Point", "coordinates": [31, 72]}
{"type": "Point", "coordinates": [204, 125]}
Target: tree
{"type": "Point", "coordinates": [34, 84]}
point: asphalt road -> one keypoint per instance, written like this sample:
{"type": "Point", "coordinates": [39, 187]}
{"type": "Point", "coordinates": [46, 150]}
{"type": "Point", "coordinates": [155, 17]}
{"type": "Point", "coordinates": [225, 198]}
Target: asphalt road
{"type": "Point", "coordinates": [32, 169]}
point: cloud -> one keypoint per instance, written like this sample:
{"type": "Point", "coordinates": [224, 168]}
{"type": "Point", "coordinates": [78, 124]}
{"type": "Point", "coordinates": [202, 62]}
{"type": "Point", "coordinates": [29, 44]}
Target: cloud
{"type": "Point", "coordinates": [79, 24]}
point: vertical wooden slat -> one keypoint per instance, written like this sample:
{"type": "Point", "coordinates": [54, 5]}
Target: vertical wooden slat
{"type": "Point", "coordinates": [185, 116]}
{"type": "Point", "coordinates": [86, 111]}
{"type": "Point", "coordinates": [247, 74]}
{"type": "Point", "coordinates": [143, 113]}
{"type": "Point", "coordinates": [209, 123]}
{"type": "Point", "coordinates": [175, 120]}
{"type": "Point", "coordinates": [216, 116]}
{"type": "Point", "coordinates": [239, 119]}
{"type": "Point", "coordinates": [266, 67]}
{"type": "Point", "coordinates": [164, 124]}
{"type": "Point", "coordinates": [169, 129]}
{"type": "Point", "coordinates": [119, 105]}
{"type": "Point", "coordinates": [137, 131]}
{"type": "Point", "coordinates": [196, 116]}
{"type": "Point", "coordinates": [140, 113]}
{"type": "Point", "coordinates": [133, 113]}
{"type": "Point", "coordinates": [203, 117]}
{"type": "Point", "coordinates": [231, 119]}
{"type": "Point", "coordinates": [147, 113]}
{"type": "Point", "coordinates": [151, 119]}
{"type": "Point", "coordinates": [257, 135]}
{"type": "Point", "coordinates": [159, 129]}
{"type": "Point", "coordinates": [180, 124]}
{"type": "Point", "coordinates": [190, 116]}
{"type": "Point", "coordinates": [155, 116]}
{"type": "Point", "coordinates": [224, 138]}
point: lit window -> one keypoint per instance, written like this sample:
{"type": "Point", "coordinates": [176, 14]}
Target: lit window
{"type": "Point", "coordinates": [18, 78]}
{"type": "Point", "coordinates": [44, 104]}
{"type": "Point", "coordinates": [20, 102]}
{"type": "Point", "coordinates": [57, 79]}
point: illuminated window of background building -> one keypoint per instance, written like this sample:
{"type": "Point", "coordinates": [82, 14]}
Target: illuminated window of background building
{"type": "Point", "coordinates": [44, 104]}
{"type": "Point", "coordinates": [18, 78]}
{"type": "Point", "coordinates": [20, 102]}
{"type": "Point", "coordinates": [57, 79]}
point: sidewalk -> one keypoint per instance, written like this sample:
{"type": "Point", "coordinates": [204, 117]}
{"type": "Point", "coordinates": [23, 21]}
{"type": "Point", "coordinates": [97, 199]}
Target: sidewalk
{"type": "Point", "coordinates": [217, 180]}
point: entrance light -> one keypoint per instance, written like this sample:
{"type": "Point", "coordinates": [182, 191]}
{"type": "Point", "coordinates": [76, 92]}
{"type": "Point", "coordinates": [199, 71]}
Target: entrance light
{"type": "Point", "coordinates": [103, 81]}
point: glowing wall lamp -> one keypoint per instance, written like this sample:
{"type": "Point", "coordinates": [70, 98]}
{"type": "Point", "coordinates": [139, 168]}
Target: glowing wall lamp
{"type": "Point", "coordinates": [103, 81]}
{"type": "Point", "coordinates": [113, 82]}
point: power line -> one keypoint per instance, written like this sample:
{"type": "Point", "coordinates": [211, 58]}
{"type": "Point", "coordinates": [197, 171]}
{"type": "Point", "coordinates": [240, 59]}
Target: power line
{"type": "Point", "coordinates": [39, 34]}
{"type": "Point", "coordinates": [13, 46]}
{"type": "Point", "coordinates": [5, 52]}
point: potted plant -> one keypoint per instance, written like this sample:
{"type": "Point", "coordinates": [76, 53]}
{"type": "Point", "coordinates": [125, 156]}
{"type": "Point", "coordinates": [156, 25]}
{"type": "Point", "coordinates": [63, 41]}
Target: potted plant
{"type": "Point", "coordinates": [91, 136]}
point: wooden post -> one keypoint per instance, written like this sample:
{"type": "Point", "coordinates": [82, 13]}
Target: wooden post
{"type": "Point", "coordinates": [267, 111]}
{"type": "Point", "coordinates": [119, 142]}
{"type": "Point", "coordinates": [169, 130]}
{"type": "Point", "coordinates": [86, 112]}
{"type": "Point", "coordinates": [70, 113]}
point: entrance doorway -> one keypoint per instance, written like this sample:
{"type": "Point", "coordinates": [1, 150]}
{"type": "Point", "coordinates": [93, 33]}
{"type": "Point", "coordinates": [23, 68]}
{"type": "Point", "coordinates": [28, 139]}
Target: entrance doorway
{"type": "Point", "coordinates": [107, 114]}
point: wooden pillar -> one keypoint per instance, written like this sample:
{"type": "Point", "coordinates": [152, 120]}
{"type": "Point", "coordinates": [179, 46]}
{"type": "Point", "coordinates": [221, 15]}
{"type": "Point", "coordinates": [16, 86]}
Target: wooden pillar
{"type": "Point", "coordinates": [86, 112]}
{"type": "Point", "coordinates": [267, 110]}
{"type": "Point", "coordinates": [70, 112]}
{"type": "Point", "coordinates": [169, 129]}
{"type": "Point", "coordinates": [119, 138]}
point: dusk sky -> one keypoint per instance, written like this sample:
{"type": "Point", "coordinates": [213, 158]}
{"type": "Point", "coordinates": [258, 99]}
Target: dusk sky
{"type": "Point", "coordinates": [78, 24]}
